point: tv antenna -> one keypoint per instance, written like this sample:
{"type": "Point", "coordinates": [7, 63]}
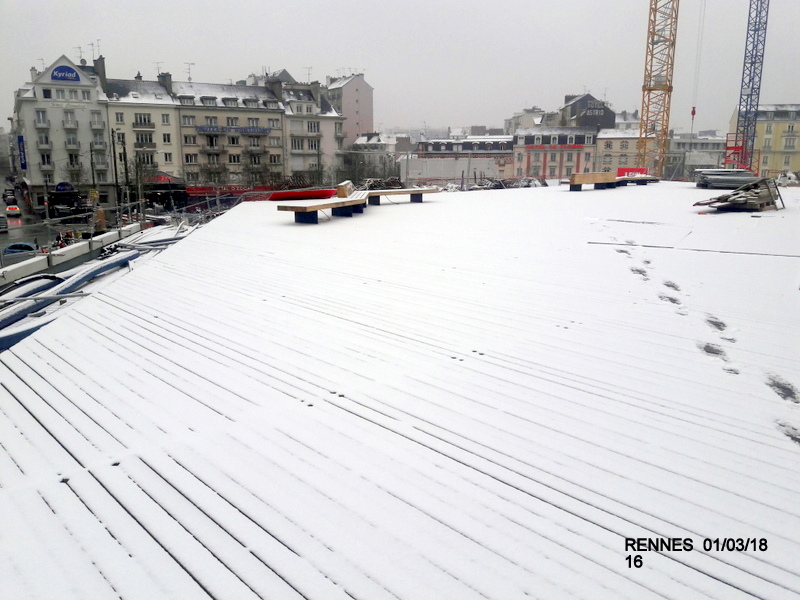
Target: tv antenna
{"type": "Point", "coordinates": [80, 52]}
{"type": "Point", "coordinates": [158, 66]}
{"type": "Point", "coordinates": [308, 73]}
{"type": "Point", "coordinates": [41, 60]}
{"type": "Point", "coordinates": [91, 45]}
{"type": "Point", "coordinates": [98, 48]}
{"type": "Point", "coordinates": [189, 66]}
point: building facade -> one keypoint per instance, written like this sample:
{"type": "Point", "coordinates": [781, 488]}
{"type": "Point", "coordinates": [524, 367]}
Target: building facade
{"type": "Point", "coordinates": [616, 149]}
{"type": "Point", "coordinates": [471, 158]}
{"type": "Point", "coordinates": [554, 152]}
{"type": "Point", "coordinates": [61, 128]}
{"type": "Point", "coordinates": [352, 97]}
{"type": "Point", "coordinates": [777, 133]}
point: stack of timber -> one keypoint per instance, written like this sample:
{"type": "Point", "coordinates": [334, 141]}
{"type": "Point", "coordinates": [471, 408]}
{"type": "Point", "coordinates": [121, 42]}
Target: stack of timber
{"type": "Point", "coordinates": [762, 194]}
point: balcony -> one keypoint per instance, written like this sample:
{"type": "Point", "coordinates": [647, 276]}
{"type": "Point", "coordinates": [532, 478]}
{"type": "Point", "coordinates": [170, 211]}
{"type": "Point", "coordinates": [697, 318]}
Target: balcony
{"type": "Point", "coordinates": [42, 124]}
{"type": "Point", "coordinates": [254, 150]}
{"type": "Point", "coordinates": [47, 168]}
{"type": "Point", "coordinates": [99, 146]}
{"type": "Point", "coordinates": [44, 145]}
{"type": "Point", "coordinates": [144, 145]}
{"type": "Point", "coordinates": [101, 166]}
{"type": "Point", "coordinates": [206, 149]}
{"type": "Point", "coordinates": [76, 145]}
{"type": "Point", "coordinates": [100, 125]}
{"type": "Point", "coordinates": [76, 166]}
{"type": "Point", "coordinates": [144, 125]}
{"type": "Point", "coordinates": [70, 124]}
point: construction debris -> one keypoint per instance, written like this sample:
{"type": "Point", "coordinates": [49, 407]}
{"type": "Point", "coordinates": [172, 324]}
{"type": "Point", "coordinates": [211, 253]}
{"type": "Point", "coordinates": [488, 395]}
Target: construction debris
{"type": "Point", "coordinates": [762, 194]}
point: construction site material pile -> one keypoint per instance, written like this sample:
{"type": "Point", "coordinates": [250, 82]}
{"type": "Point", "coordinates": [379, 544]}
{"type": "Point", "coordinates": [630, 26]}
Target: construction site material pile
{"type": "Point", "coordinates": [762, 194]}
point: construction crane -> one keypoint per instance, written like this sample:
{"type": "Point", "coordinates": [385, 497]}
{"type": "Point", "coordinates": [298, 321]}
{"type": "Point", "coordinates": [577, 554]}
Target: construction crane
{"type": "Point", "coordinates": [657, 88]}
{"type": "Point", "coordinates": [740, 147]}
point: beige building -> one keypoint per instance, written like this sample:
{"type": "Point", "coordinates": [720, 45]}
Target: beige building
{"type": "Point", "coordinates": [777, 133]}
{"type": "Point", "coordinates": [351, 96]}
{"type": "Point", "coordinates": [554, 152]}
{"type": "Point", "coordinates": [616, 149]}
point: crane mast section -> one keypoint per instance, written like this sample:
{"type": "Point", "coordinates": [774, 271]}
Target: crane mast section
{"type": "Point", "coordinates": [659, 66]}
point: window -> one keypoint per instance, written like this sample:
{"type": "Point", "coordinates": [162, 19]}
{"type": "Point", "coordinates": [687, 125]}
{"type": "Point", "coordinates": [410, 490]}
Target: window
{"type": "Point", "coordinates": [787, 160]}
{"type": "Point", "coordinates": [97, 117]}
{"type": "Point", "coordinates": [144, 138]}
{"type": "Point", "coordinates": [765, 162]}
{"type": "Point", "coordinates": [274, 123]}
{"type": "Point", "coordinates": [47, 177]}
{"type": "Point", "coordinates": [255, 159]}
{"type": "Point", "coordinates": [337, 129]}
{"type": "Point", "coordinates": [47, 93]}
{"type": "Point", "coordinates": [60, 95]}
{"type": "Point", "coordinates": [73, 94]}
{"type": "Point", "coordinates": [253, 141]}
{"type": "Point", "coordinates": [569, 171]}
{"type": "Point", "coordinates": [166, 138]}
{"type": "Point", "coordinates": [74, 160]}
{"type": "Point", "coordinates": [208, 101]}
{"type": "Point", "coordinates": [120, 137]}
{"type": "Point", "coordinates": [101, 177]}
{"type": "Point", "coordinates": [167, 157]}
{"type": "Point", "coordinates": [552, 172]}
{"type": "Point", "coordinates": [119, 117]}
{"type": "Point", "coordinates": [165, 118]}
{"type": "Point", "coordinates": [233, 140]}
{"type": "Point", "coordinates": [213, 159]}
{"type": "Point", "coordinates": [606, 159]}
{"type": "Point", "coordinates": [623, 145]}
{"type": "Point", "coordinates": [297, 143]}
{"type": "Point", "coordinates": [187, 101]}
{"type": "Point", "coordinates": [47, 158]}
{"type": "Point", "coordinates": [44, 137]}
{"type": "Point", "coordinates": [97, 139]}
{"type": "Point", "coordinates": [536, 156]}
{"type": "Point", "coordinates": [230, 102]}
{"type": "Point", "coordinates": [252, 122]}
{"type": "Point", "coordinates": [121, 156]}
{"type": "Point", "coordinates": [770, 115]}
{"type": "Point", "coordinates": [274, 159]}
{"type": "Point", "coordinates": [211, 121]}
{"type": "Point", "coordinates": [588, 157]}
{"type": "Point", "coordinates": [41, 116]}
{"type": "Point", "coordinates": [790, 128]}
{"type": "Point", "coordinates": [589, 140]}
{"type": "Point", "coordinates": [608, 145]}
{"type": "Point", "coordinates": [552, 156]}
{"type": "Point", "coordinates": [569, 158]}
{"type": "Point", "coordinates": [188, 120]}
{"type": "Point", "coordinates": [190, 140]}
{"type": "Point", "coordinates": [313, 127]}
{"type": "Point", "coordinates": [570, 140]}
{"type": "Point", "coordinates": [623, 159]}
{"type": "Point", "coordinates": [251, 103]}
{"type": "Point", "coordinates": [234, 159]}
{"type": "Point", "coordinates": [146, 158]}
{"type": "Point", "coordinates": [193, 177]}
{"type": "Point", "coordinates": [768, 128]}
{"type": "Point", "coordinates": [142, 118]}
{"type": "Point", "coordinates": [190, 159]}
{"type": "Point", "coordinates": [212, 141]}
{"type": "Point", "coordinates": [72, 139]}
{"type": "Point", "coordinates": [86, 94]}
{"type": "Point", "coordinates": [309, 108]}
{"type": "Point", "coordinates": [232, 121]}
{"type": "Point", "coordinates": [537, 140]}
{"type": "Point", "coordinates": [69, 116]}
{"type": "Point", "coordinates": [313, 144]}
{"type": "Point", "coordinates": [274, 142]}
{"type": "Point", "coordinates": [792, 115]}
{"type": "Point", "coordinates": [271, 104]}
{"type": "Point", "coordinates": [790, 143]}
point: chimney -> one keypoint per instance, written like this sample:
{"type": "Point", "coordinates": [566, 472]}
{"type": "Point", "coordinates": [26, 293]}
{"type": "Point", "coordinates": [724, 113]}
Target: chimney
{"type": "Point", "coordinates": [34, 73]}
{"type": "Point", "coordinates": [165, 79]}
{"type": "Point", "coordinates": [138, 76]}
{"type": "Point", "coordinates": [569, 98]}
{"type": "Point", "coordinates": [100, 69]}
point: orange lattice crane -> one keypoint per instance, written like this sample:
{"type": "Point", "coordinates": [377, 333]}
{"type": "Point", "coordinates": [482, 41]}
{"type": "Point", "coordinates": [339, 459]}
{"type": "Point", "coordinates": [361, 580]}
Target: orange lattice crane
{"type": "Point", "coordinates": [657, 88]}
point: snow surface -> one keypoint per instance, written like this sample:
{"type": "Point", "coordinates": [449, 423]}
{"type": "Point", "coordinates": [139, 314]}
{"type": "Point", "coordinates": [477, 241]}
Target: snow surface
{"type": "Point", "coordinates": [479, 396]}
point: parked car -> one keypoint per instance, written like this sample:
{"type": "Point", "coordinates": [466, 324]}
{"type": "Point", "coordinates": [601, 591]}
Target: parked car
{"type": "Point", "coordinates": [18, 247]}
{"type": "Point", "coordinates": [13, 210]}
{"type": "Point", "coordinates": [723, 178]}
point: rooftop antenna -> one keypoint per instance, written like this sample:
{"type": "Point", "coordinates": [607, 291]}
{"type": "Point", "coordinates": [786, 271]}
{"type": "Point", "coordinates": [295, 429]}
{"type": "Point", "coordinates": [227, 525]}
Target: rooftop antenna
{"type": "Point", "coordinates": [158, 66]}
{"type": "Point", "coordinates": [189, 66]}
{"type": "Point", "coordinates": [91, 45]}
{"type": "Point", "coordinates": [308, 73]}
{"type": "Point", "coordinates": [98, 48]}
{"type": "Point", "coordinates": [80, 52]}
{"type": "Point", "coordinates": [41, 60]}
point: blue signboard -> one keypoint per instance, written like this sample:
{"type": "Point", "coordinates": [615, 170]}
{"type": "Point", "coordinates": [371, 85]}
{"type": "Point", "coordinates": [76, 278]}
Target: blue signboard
{"type": "Point", "coordinates": [64, 73]}
{"type": "Point", "coordinates": [244, 130]}
{"type": "Point", "coordinates": [64, 187]}
{"type": "Point", "coordinates": [23, 159]}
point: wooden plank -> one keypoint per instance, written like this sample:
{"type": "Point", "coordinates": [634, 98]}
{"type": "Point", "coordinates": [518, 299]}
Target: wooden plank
{"type": "Point", "coordinates": [592, 178]}
{"type": "Point", "coordinates": [311, 205]}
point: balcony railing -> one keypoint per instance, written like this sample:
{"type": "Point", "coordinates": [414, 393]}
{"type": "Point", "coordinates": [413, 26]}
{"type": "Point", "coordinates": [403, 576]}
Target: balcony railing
{"type": "Point", "coordinates": [144, 145]}
{"type": "Point", "coordinates": [99, 146]}
{"type": "Point", "coordinates": [254, 150]}
{"type": "Point", "coordinates": [206, 149]}
{"type": "Point", "coordinates": [47, 168]}
{"type": "Point", "coordinates": [42, 124]}
{"type": "Point", "coordinates": [77, 166]}
{"type": "Point", "coordinates": [97, 125]}
{"type": "Point", "coordinates": [70, 124]}
{"type": "Point", "coordinates": [44, 145]}
{"type": "Point", "coordinates": [144, 125]}
{"type": "Point", "coordinates": [101, 166]}
{"type": "Point", "coordinates": [72, 145]}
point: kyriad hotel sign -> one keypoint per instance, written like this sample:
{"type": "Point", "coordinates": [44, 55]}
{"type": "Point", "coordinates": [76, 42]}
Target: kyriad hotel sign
{"type": "Point", "coordinates": [64, 73]}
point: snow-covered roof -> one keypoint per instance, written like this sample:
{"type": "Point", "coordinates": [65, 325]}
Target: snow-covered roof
{"type": "Point", "coordinates": [220, 91]}
{"type": "Point", "coordinates": [425, 401]}
{"type": "Point", "coordinates": [134, 91]}
{"type": "Point", "coordinates": [617, 133]}
{"type": "Point", "coordinates": [545, 130]}
{"type": "Point", "coordinates": [779, 107]}
{"type": "Point", "coordinates": [335, 83]}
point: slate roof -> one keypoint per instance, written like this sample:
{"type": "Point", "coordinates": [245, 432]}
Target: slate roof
{"type": "Point", "coordinates": [476, 397]}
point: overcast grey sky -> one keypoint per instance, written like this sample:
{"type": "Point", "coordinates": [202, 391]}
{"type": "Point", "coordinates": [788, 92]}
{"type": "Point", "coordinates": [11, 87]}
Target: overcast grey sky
{"type": "Point", "coordinates": [431, 62]}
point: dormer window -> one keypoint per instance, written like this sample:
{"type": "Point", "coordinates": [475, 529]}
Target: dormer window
{"type": "Point", "coordinates": [251, 103]}
{"type": "Point", "coordinates": [187, 100]}
{"type": "Point", "coordinates": [230, 102]}
{"type": "Point", "coordinates": [208, 101]}
{"type": "Point", "coordinates": [271, 104]}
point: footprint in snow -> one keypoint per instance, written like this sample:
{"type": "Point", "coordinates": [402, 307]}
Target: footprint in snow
{"type": "Point", "coordinates": [672, 285]}
{"type": "Point", "coordinates": [667, 298]}
{"type": "Point", "coordinates": [716, 323]}
{"type": "Point", "coordinates": [793, 433]}
{"type": "Point", "coordinates": [713, 350]}
{"type": "Point", "coordinates": [783, 388]}
{"type": "Point", "coordinates": [640, 271]}
{"type": "Point", "coordinates": [623, 251]}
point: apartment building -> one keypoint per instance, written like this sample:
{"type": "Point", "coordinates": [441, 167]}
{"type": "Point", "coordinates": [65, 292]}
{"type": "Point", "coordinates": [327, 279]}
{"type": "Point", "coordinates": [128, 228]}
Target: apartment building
{"type": "Point", "coordinates": [616, 149]}
{"type": "Point", "coordinates": [777, 133]}
{"type": "Point", "coordinates": [555, 152]}
{"type": "Point", "coordinates": [61, 128]}
{"type": "Point", "coordinates": [351, 96]}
